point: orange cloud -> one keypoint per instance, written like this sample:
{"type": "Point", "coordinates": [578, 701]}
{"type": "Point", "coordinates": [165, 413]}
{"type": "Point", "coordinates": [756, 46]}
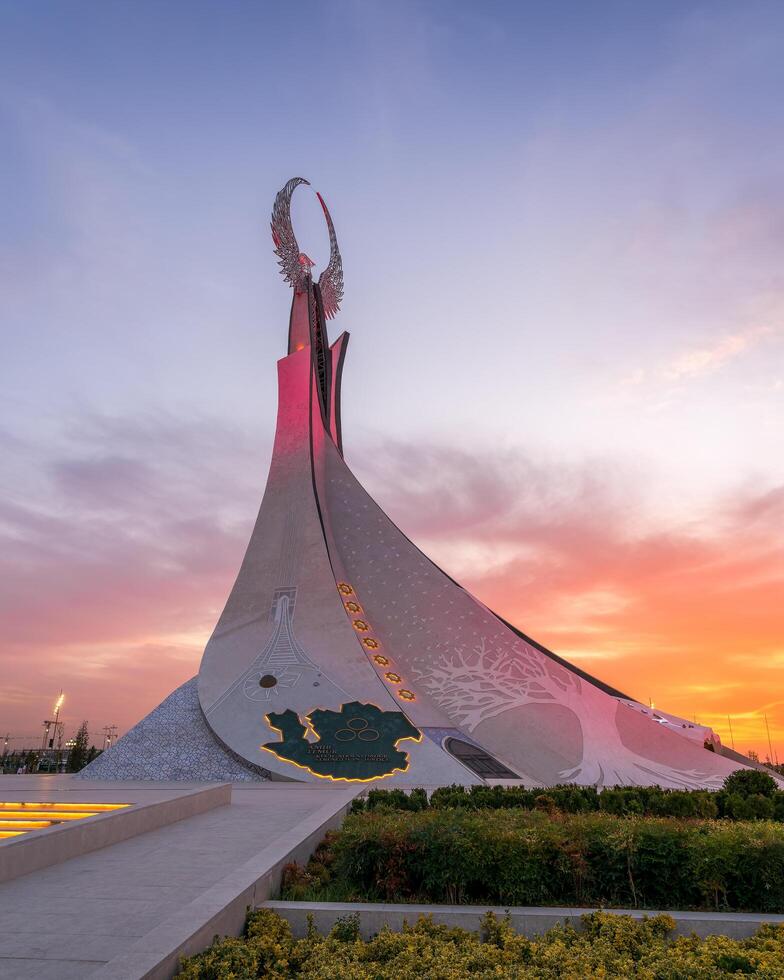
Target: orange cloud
{"type": "Point", "coordinates": [691, 617]}
{"type": "Point", "coordinates": [115, 575]}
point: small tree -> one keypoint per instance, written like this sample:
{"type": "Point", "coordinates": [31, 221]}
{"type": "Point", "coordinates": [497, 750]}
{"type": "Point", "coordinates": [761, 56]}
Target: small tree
{"type": "Point", "coordinates": [750, 782]}
{"type": "Point", "coordinates": [77, 757]}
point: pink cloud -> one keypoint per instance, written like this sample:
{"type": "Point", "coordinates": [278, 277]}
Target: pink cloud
{"type": "Point", "coordinates": [661, 611]}
{"type": "Point", "coordinates": [703, 360]}
{"type": "Point", "coordinates": [114, 576]}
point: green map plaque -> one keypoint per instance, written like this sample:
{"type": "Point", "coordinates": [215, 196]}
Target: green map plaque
{"type": "Point", "coordinates": [356, 743]}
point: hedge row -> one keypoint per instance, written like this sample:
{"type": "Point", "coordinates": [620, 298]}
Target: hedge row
{"type": "Point", "coordinates": [608, 946]}
{"type": "Point", "coordinates": [521, 857]}
{"type": "Point", "coordinates": [748, 795]}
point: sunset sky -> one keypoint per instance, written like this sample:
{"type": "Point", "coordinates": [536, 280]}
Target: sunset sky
{"type": "Point", "coordinates": [562, 226]}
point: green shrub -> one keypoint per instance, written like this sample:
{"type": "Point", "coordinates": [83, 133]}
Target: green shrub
{"type": "Point", "coordinates": [530, 857]}
{"type": "Point", "coordinates": [653, 801]}
{"type": "Point", "coordinates": [346, 928]}
{"type": "Point", "coordinates": [750, 782]}
{"type": "Point", "coordinates": [447, 797]}
{"type": "Point", "coordinates": [264, 951]}
{"type": "Point", "coordinates": [575, 799]}
{"type": "Point", "coordinates": [657, 802]}
{"type": "Point", "coordinates": [607, 946]}
{"type": "Point", "coordinates": [734, 806]}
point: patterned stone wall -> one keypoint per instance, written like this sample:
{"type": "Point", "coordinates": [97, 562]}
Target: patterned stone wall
{"type": "Point", "coordinates": [174, 742]}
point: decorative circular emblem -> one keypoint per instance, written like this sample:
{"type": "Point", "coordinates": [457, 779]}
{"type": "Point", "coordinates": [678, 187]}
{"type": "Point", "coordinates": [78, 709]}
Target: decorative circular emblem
{"type": "Point", "coordinates": [266, 684]}
{"type": "Point", "coordinates": [393, 678]}
{"type": "Point", "coordinates": [361, 625]}
{"type": "Point", "coordinates": [406, 695]}
{"type": "Point", "coordinates": [353, 607]}
{"type": "Point", "coordinates": [370, 643]}
{"type": "Point", "coordinates": [345, 588]}
{"type": "Point", "coordinates": [357, 728]}
{"type": "Point", "coordinates": [381, 660]}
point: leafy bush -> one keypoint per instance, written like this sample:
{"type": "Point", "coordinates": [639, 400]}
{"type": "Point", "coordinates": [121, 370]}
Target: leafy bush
{"type": "Point", "coordinates": [568, 799]}
{"type": "Point", "coordinates": [750, 782]}
{"type": "Point", "coordinates": [393, 799]}
{"type": "Point", "coordinates": [522, 857]}
{"type": "Point", "coordinates": [748, 794]}
{"type": "Point", "coordinates": [656, 802]}
{"type": "Point", "coordinates": [608, 946]}
{"type": "Point", "coordinates": [734, 806]}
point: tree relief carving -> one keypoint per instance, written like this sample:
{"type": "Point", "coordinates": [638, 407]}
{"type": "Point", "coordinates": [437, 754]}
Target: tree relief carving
{"type": "Point", "coordinates": [476, 683]}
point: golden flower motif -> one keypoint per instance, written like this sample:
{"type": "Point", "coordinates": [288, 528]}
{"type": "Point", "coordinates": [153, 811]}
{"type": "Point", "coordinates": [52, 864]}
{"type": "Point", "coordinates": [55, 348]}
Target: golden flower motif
{"type": "Point", "coordinates": [353, 607]}
{"type": "Point", "coordinates": [406, 695]}
{"type": "Point", "coordinates": [381, 660]}
{"type": "Point", "coordinates": [392, 677]}
{"type": "Point", "coordinates": [361, 625]}
{"type": "Point", "coordinates": [345, 588]}
{"type": "Point", "coordinates": [370, 643]}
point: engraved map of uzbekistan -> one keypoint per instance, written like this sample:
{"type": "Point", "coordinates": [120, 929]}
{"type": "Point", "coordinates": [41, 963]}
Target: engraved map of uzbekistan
{"type": "Point", "coordinates": [356, 743]}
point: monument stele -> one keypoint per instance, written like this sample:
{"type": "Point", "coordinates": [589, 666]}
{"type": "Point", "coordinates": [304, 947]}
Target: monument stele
{"type": "Point", "coordinates": [345, 654]}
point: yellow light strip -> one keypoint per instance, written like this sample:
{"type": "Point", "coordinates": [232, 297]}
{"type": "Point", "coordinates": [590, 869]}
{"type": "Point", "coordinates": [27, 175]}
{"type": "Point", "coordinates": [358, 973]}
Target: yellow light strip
{"type": "Point", "coordinates": [28, 824]}
{"type": "Point", "coordinates": [38, 805]}
{"type": "Point", "coordinates": [29, 815]}
{"type": "Point", "coordinates": [37, 814]}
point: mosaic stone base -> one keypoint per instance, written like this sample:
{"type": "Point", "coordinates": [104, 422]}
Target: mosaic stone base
{"type": "Point", "coordinates": [173, 742]}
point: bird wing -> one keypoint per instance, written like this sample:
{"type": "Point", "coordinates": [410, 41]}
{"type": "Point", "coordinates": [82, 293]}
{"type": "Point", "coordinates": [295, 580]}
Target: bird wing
{"type": "Point", "coordinates": [331, 279]}
{"type": "Point", "coordinates": [285, 241]}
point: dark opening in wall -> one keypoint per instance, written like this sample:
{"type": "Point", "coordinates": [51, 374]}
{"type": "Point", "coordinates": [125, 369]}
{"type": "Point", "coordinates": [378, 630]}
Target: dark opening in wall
{"type": "Point", "coordinates": [478, 760]}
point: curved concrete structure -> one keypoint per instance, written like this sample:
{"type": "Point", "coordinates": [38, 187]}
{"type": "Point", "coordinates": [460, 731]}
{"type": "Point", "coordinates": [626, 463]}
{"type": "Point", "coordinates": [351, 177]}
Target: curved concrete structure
{"type": "Point", "coordinates": [334, 605]}
{"type": "Point", "coordinates": [343, 652]}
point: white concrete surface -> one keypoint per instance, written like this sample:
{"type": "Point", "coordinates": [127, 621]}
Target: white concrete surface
{"type": "Point", "coordinates": [127, 910]}
{"type": "Point", "coordinates": [146, 809]}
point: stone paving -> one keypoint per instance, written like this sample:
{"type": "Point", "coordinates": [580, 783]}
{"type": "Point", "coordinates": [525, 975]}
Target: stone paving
{"type": "Point", "coordinates": [67, 921]}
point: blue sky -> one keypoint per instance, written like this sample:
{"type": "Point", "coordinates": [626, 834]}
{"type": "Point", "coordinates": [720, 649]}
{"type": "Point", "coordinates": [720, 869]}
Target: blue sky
{"type": "Point", "coordinates": [562, 182]}
{"type": "Point", "coordinates": [561, 226]}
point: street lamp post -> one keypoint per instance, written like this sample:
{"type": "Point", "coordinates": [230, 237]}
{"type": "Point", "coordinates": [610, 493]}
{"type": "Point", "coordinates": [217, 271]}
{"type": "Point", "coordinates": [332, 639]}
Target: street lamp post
{"type": "Point", "coordinates": [58, 704]}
